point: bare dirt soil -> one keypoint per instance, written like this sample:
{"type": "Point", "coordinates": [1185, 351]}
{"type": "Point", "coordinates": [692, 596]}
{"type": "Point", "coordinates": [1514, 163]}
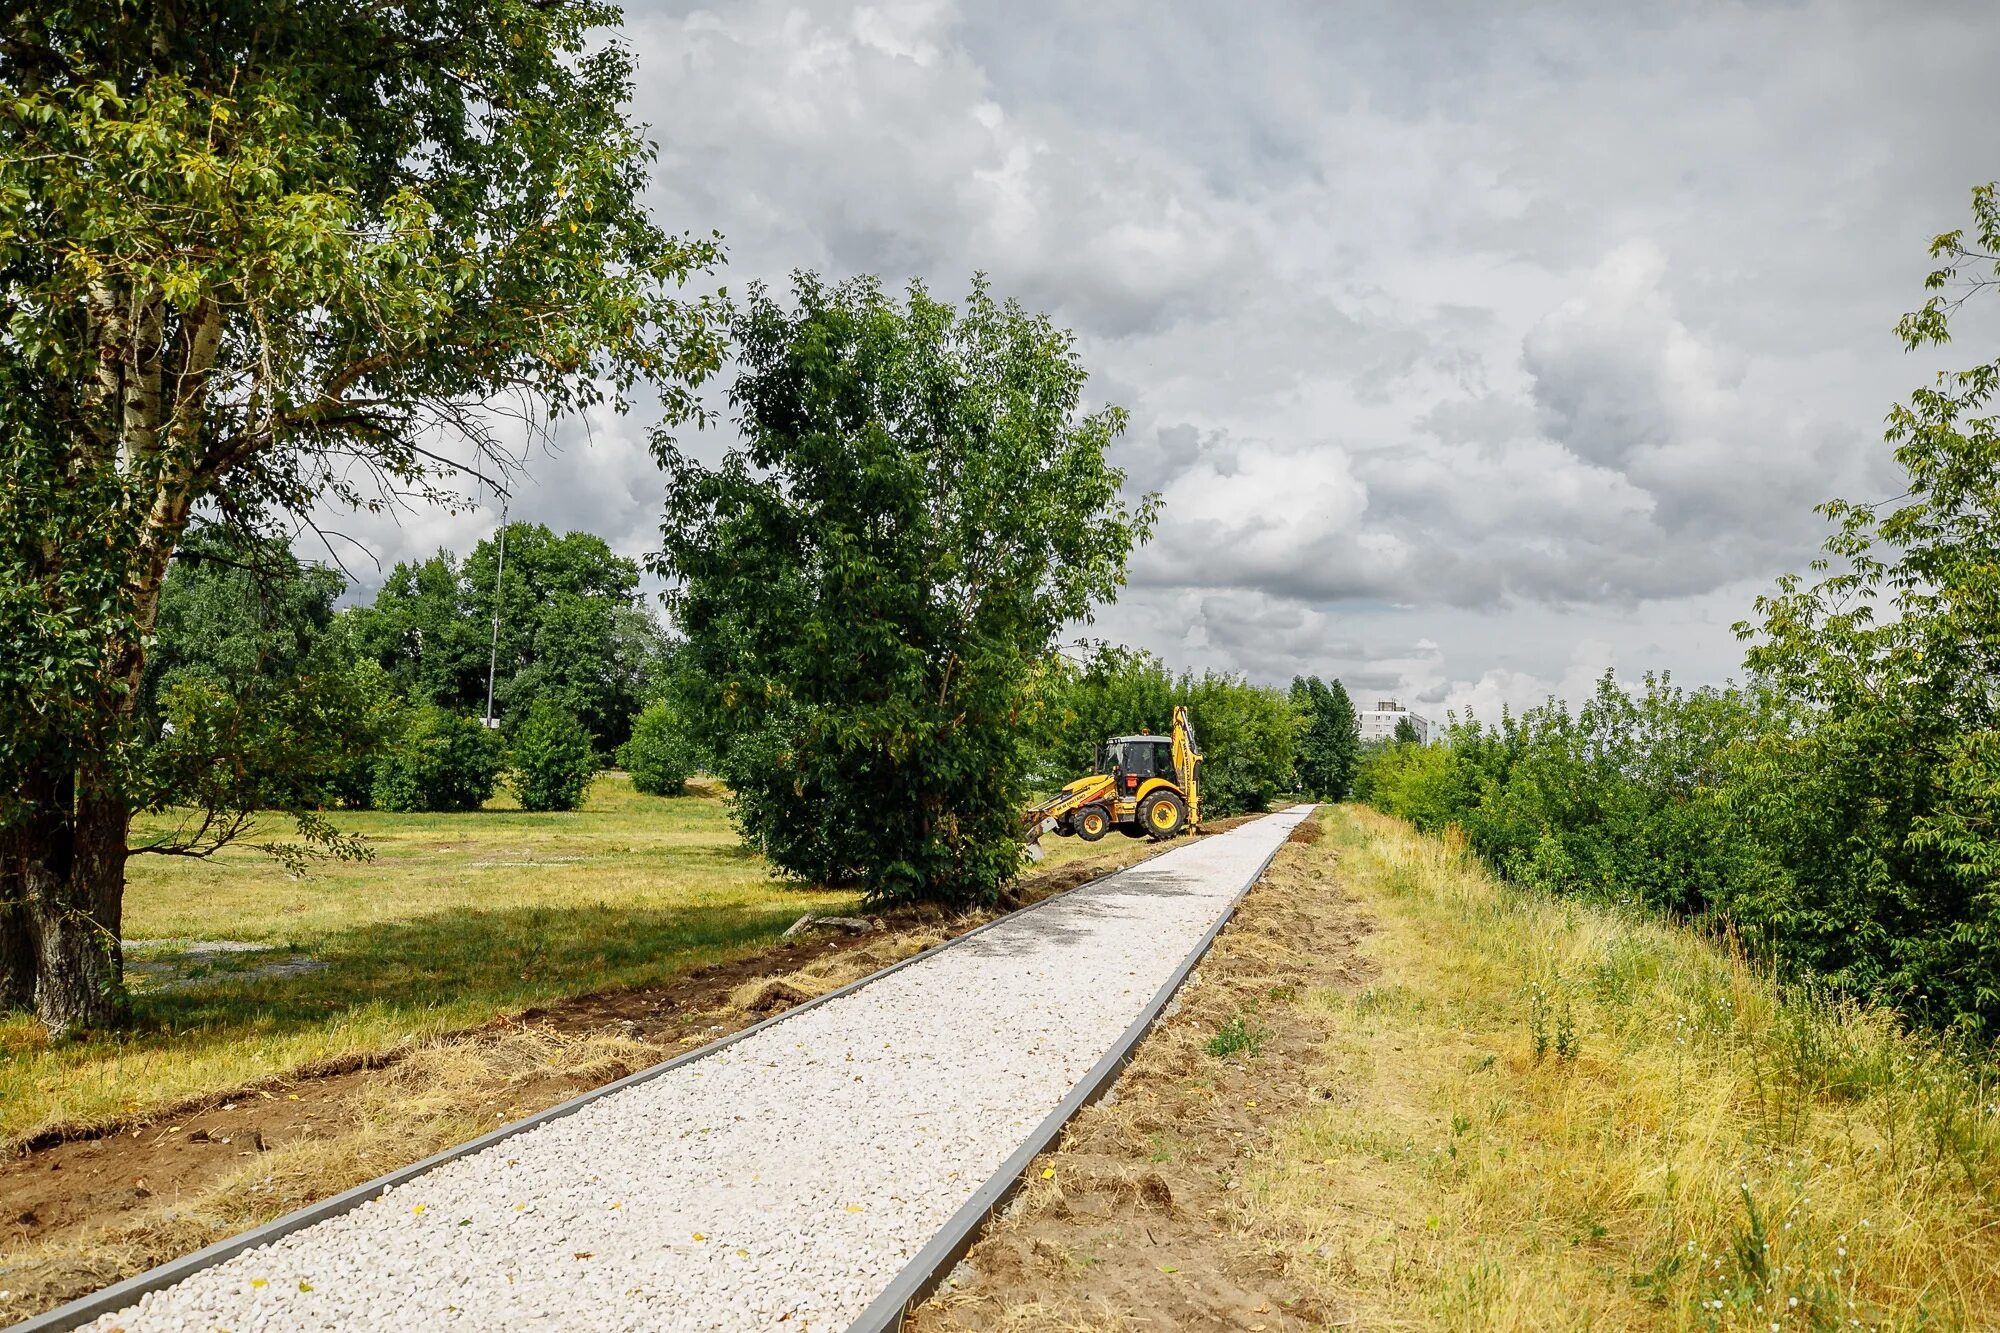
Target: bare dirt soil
{"type": "Point", "coordinates": [77, 1213]}
{"type": "Point", "coordinates": [1133, 1221]}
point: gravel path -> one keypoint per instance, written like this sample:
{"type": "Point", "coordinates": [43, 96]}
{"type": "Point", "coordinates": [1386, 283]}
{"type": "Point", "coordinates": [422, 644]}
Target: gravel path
{"type": "Point", "coordinates": [787, 1178]}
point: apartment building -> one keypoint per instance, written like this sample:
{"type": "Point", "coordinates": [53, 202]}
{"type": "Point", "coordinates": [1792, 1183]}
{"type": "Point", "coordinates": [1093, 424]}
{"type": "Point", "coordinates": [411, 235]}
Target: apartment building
{"type": "Point", "coordinates": [1379, 723]}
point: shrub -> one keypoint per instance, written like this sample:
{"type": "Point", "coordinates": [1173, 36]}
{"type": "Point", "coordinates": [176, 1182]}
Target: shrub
{"type": "Point", "coordinates": [552, 757]}
{"type": "Point", "coordinates": [660, 754]}
{"type": "Point", "coordinates": [1628, 797]}
{"type": "Point", "coordinates": [442, 762]}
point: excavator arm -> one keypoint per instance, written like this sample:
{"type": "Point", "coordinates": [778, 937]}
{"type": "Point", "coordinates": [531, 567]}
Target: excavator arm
{"type": "Point", "coordinates": [1187, 764]}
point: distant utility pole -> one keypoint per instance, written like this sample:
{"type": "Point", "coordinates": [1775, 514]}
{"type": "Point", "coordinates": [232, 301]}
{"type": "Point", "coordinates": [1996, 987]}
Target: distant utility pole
{"type": "Point", "coordinates": [493, 654]}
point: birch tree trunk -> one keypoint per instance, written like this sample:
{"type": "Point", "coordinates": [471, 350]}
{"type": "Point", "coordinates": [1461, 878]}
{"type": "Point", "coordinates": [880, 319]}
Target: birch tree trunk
{"type": "Point", "coordinates": [68, 860]}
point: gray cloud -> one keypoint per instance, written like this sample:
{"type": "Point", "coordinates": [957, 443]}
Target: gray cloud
{"type": "Point", "coordinates": [1151, 464]}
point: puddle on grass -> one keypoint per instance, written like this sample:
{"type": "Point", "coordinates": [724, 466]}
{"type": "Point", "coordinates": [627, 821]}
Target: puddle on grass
{"type": "Point", "coordinates": [174, 964]}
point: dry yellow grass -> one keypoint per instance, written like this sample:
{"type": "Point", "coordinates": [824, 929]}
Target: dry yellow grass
{"type": "Point", "coordinates": [1400, 1095]}
{"type": "Point", "coordinates": [815, 979]}
{"type": "Point", "coordinates": [1555, 1115]}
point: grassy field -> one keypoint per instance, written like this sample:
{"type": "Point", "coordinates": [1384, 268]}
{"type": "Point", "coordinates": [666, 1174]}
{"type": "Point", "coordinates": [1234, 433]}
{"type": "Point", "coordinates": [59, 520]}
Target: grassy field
{"type": "Point", "coordinates": [456, 919]}
{"type": "Point", "coordinates": [1504, 1111]}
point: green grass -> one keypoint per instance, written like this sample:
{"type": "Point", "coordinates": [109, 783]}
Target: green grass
{"type": "Point", "coordinates": [457, 918]}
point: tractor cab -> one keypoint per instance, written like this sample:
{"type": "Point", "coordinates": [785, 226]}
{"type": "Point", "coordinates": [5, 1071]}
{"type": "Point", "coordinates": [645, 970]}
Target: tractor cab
{"type": "Point", "coordinates": [1131, 760]}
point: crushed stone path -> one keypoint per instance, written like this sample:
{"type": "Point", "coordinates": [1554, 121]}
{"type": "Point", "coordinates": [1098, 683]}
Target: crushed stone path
{"type": "Point", "coordinates": [781, 1182]}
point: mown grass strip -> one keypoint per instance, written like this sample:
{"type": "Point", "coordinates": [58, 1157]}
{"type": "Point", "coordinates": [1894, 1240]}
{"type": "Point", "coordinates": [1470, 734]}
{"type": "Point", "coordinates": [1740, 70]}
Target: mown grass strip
{"type": "Point", "coordinates": [458, 918]}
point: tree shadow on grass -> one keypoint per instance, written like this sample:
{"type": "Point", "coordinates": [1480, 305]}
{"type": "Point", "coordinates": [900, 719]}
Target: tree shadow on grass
{"type": "Point", "coordinates": [493, 961]}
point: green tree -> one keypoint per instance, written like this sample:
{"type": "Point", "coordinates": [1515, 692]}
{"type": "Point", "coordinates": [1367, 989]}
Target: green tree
{"type": "Point", "coordinates": [438, 761]}
{"type": "Point", "coordinates": [242, 614]}
{"type": "Point", "coordinates": [420, 631]}
{"type": "Point", "coordinates": [1406, 732]}
{"type": "Point", "coordinates": [1339, 717]}
{"type": "Point", "coordinates": [1884, 807]}
{"type": "Point", "coordinates": [867, 585]}
{"type": "Point", "coordinates": [660, 755]}
{"type": "Point", "coordinates": [1115, 691]}
{"type": "Point", "coordinates": [571, 625]}
{"type": "Point", "coordinates": [253, 631]}
{"type": "Point", "coordinates": [1329, 744]}
{"type": "Point", "coordinates": [1249, 738]}
{"type": "Point", "coordinates": [255, 256]}
{"type": "Point", "coordinates": [551, 757]}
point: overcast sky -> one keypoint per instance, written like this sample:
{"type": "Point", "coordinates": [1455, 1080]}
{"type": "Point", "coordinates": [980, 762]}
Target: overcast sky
{"type": "Point", "coordinates": [1473, 348]}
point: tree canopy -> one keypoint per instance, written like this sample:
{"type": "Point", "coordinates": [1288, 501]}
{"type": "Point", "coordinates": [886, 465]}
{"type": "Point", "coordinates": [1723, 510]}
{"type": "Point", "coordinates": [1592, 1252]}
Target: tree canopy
{"type": "Point", "coordinates": [572, 627]}
{"type": "Point", "coordinates": [255, 256]}
{"type": "Point", "coordinates": [1329, 746]}
{"type": "Point", "coordinates": [1112, 691]}
{"type": "Point", "coordinates": [1889, 656]}
{"type": "Point", "coordinates": [253, 695]}
{"type": "Point", "coordinates": [867, 584]}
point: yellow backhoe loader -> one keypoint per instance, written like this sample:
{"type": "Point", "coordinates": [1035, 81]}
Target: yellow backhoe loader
{"type": "Point", "coordinates": [1144, 786]}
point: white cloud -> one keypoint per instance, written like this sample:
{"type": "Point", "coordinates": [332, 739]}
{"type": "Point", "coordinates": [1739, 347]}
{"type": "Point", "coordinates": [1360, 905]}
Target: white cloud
{"type": "Point", "coordinates": [1499, 689]}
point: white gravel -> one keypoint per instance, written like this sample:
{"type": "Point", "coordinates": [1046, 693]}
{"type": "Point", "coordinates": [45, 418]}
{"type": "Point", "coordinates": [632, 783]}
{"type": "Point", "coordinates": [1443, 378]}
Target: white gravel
{"type": "Point", "coordinates": [786, 1178]}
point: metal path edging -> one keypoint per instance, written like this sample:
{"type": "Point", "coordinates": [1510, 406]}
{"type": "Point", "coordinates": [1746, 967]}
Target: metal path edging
{"type": "Point", "coordinates": [922, 1275]}
{"type": "Point", "coordinates": [119, 1295]}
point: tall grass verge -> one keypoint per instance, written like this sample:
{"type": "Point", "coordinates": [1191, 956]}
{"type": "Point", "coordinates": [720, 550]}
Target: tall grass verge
{"type": "Point", "coordinates": [1555, 1114]}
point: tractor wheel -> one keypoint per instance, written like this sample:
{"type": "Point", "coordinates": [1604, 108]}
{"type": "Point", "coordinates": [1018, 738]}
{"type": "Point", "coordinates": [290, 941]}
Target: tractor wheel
{"type": "Point", "coordinates": [1092, 823]}
{"type": "Point", "coordinates": [1163, 815]}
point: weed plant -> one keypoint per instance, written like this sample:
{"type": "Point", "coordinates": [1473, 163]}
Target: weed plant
{"type": "Point", "coordinates": [1241, 1035]}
